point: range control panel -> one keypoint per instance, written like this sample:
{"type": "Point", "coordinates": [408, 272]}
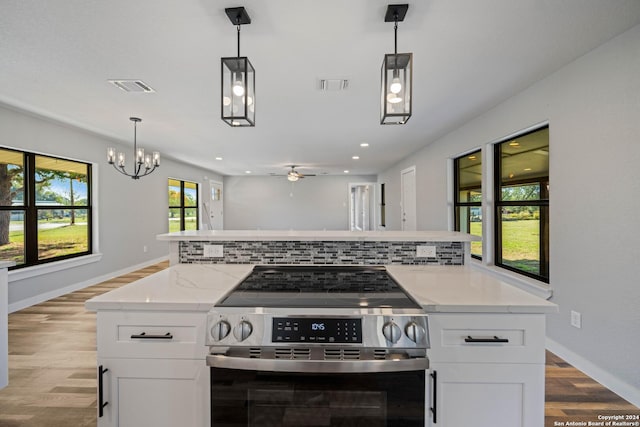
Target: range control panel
{"type": "Point", "coordinates": [316, 330]}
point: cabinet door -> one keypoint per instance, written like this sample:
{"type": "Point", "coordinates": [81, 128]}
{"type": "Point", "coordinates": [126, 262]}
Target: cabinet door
{"type": "Point", "coordinates": [157, 392]}
{"type": "Point", "coordinates": [486, 395]}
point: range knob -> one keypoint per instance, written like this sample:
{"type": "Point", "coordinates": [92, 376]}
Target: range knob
{"type": "Point", "coordinates": [220, 330]}
{"type": "Point", "coordinates": [391, 332]}
{"type": "Point", "coordinates": [242, 330]}
{"type": "Point", "coordinates": [415, 332]}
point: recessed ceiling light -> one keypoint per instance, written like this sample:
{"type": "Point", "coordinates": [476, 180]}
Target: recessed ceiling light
{"type": "Point", "coordinates": [364, 144]}
{"type": "Point", "coordinates": [218, 158]}
{"type": "Point", "coordinates": [472, 157]}
{"type": "Point", "coordinates": [527, 169]}
{"type": "Point", "coordinates": [346, 171]}
{"type": "Point", "coordinates": [514, 144]}
{"type": "Point", "coordinates": [355, 157]}
{"type": "Point", "coordinates": [247, 171]}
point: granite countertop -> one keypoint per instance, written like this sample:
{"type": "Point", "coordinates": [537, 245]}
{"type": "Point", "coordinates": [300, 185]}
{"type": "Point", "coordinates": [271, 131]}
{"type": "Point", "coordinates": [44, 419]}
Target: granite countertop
{"type": "Point", "coordinates": [197, 287]}
{"type": "Point", "coordinates": [318, 235]}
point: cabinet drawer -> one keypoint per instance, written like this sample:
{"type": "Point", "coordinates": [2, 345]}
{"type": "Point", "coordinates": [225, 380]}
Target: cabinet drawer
{"type": "Point", "coordinates": [487, 338]}
{"type": "Point", "coordinates": [151, 335]}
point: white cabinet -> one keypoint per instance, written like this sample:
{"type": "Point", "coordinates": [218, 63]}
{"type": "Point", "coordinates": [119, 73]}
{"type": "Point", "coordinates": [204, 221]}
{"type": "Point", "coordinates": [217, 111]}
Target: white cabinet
{"type": "Point", "coordinates": [152, 369]}
{"type": "Point", "coordinates": [486, 369]}
{"type": "Point", "coordinates": [154, 392]}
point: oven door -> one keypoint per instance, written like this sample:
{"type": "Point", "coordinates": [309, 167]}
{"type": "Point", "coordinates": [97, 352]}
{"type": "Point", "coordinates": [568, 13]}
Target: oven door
{"type": "Point", "coordinates": [241, 397]}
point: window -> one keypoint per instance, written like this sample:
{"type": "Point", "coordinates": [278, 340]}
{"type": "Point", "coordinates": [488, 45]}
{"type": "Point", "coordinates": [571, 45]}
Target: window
{"type": "Point", "coordinates": [522, 204]}
{"type": "Point", "coordinates": [468, 197]}
{"type": "Point", "coordinates": [183, 205]}
{"type": "Point", "coordinates": [45, 208]}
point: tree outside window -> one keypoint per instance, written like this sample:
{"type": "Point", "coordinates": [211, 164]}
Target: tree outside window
{"type": "Point", "coordinates": [522, 204]}
{"type": "Point", "coordinates": [468, 197]}
{"type": "Point", "coordinates": [183, 205]}
{"type": "Point", "coordinates": [45, 208]}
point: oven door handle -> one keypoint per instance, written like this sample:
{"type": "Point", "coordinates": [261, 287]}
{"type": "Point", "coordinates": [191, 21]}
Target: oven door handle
{"type": "Point", "coordinates": [321, 366]}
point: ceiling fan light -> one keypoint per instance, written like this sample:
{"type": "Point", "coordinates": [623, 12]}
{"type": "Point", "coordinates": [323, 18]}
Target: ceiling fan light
{"type": "Point", "coordinates": [292, 177]}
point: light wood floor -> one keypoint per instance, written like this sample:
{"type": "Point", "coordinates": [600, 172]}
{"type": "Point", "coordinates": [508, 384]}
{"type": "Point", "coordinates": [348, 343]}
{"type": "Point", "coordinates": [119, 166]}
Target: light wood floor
{"type": "Point", "coordinates": [52, 368]}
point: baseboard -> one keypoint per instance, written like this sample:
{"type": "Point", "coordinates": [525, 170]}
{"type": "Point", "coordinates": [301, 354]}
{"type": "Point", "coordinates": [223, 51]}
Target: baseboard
{"type": "Point", "coordinates": [37, 299]}
{"type": "Point", "coordinates": [624, 390]}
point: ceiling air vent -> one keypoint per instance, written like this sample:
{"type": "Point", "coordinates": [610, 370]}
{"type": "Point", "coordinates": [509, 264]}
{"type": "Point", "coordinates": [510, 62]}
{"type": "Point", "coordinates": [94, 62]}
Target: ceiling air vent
{"type": "Point", "coordinates": [333, 85]}
{"type": "Point", "coordinates": [132, 86]}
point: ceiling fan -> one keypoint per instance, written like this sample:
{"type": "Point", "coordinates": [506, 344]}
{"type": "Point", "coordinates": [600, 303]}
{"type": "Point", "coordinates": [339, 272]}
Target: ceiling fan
{"type": "Point", "coordinates": [293, 175]}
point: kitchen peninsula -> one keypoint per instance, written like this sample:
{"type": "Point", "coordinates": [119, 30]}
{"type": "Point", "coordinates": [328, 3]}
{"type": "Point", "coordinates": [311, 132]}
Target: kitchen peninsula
{"type": "Point", "coordinates": [486, 337]}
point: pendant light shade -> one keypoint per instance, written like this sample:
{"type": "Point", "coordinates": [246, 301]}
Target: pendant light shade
{"type": "Point", "coordinates": [396, 76]}
{"type": "Point", "coordinates": [238, 80]}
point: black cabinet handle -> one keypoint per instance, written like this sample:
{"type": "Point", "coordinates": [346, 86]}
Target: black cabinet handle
{"type": "Point", "coordinates": [433, 409]}
{"type": "Point", "coordinates": [143, 335]}
{"type": "Point", "coordinates": [101, 402]}
{"type": "Point", "coordinates": [469, 338]}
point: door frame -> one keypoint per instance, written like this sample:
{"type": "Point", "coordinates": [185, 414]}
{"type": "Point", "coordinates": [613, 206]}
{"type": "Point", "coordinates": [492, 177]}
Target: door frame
{"type": "Point", "coordinates": [372, 203]}
{"type": "Point", "coordinates": [403, 172]}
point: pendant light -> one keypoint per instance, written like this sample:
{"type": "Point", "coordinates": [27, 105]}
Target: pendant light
{"type": "Point", "coordinates": [150, 162]}
{"type": "Point", "coordinates": [238, 99]}
{"type": "Point", "coordinates": [397, 75]}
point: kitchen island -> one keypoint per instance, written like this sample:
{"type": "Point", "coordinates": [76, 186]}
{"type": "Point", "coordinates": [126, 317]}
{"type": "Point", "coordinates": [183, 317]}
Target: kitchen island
{"type": "Point", "coordinates": [486, 353]}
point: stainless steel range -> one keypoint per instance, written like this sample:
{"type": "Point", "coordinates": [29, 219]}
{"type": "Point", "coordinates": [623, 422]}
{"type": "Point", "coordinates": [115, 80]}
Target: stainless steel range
{"type": "Point", "coordinates": [294, 343]}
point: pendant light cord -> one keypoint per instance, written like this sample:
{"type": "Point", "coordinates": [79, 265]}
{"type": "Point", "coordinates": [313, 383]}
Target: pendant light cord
{"type": "Point", "coordinates": [395, 35]}
{"type": "Point", "coordinates": [238, 23]}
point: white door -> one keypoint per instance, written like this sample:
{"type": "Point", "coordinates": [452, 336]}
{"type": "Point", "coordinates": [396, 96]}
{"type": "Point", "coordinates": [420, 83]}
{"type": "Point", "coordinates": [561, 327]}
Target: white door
{"type": "Point", "coordinates": [215, 207]}
{"type": "Point", "coordinates": [408, 199]}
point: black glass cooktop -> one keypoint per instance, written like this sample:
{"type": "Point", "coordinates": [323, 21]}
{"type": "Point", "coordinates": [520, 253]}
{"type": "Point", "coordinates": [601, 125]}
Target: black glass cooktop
{"type": "Point", "coordinates": [319, 286]}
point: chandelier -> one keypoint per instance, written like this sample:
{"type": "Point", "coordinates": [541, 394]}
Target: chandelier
{"type": "Point", "coordinates": [143, 164]}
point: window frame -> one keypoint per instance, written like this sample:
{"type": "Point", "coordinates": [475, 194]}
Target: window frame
{"type": "Point", "coordinates": [182, 207]}
{"type": "Point", "coordinates": [30, 210]}
{"type": "Point", "coordinates": [456, 193]}
{"type": "Point", "coordinates": [542, 203]}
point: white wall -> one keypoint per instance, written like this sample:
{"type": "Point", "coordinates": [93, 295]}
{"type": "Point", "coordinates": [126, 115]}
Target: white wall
{"type": "Point", "coordinates": [593, 109]}
{"type": "Point", "coordinates": [130, 212]}
{"type": "Point", "coordinates": [273, 203]}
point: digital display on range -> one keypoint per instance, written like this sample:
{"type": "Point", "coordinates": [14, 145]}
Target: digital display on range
{"type": "Point", "coordinates": [316, 330]}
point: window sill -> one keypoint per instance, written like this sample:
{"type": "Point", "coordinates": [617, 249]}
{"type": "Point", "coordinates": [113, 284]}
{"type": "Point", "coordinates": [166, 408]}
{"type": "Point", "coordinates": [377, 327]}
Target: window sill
{"type": "Point", "coordinates": [527, 284]}
{"type": "Point", "coordinates": [52, 267]}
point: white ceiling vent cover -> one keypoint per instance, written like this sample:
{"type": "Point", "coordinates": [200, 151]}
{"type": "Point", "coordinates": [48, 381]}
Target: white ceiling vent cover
{"type": "Point", "coordinates": [333, 85]}
{"type": "Point", "coordinates": [131, 85]}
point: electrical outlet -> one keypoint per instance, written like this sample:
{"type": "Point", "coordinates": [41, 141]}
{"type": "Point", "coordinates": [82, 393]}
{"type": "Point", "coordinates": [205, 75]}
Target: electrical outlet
{"type": "Point", "coordinates": [213, 251]}
{"type": "Point", "coordinates": [425, 251]}
{"type": "Point", "coordinates": [576, 319]}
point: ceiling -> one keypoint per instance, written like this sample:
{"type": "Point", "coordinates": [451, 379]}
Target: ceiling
{"type": "Point", "coordinates": [56, 58]}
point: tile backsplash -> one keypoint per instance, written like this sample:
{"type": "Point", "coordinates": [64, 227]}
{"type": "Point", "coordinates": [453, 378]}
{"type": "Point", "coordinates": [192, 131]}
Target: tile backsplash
{"type": "Point", "coordinates": [320, 252]}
